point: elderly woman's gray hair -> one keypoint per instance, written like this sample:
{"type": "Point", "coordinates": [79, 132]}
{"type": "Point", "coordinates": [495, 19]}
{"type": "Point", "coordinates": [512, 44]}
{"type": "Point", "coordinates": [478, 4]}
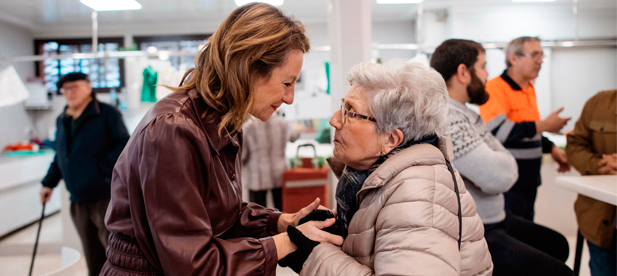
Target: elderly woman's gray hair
{"type": "Point", "coordinates": [405, 96]}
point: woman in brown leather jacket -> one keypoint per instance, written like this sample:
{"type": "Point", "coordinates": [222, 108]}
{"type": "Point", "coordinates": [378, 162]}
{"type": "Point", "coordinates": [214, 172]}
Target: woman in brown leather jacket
{"type": "Point", "coordinates": [176, 205]}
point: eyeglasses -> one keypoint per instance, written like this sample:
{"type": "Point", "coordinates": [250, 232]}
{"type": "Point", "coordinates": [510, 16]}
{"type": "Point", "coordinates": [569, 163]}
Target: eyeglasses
{"type": "Point", "coordinates": [66, 88]}
{"type": "Point", "coordinates": [344, 112]}
{"type": "Point", "coordinates": [534, 55]}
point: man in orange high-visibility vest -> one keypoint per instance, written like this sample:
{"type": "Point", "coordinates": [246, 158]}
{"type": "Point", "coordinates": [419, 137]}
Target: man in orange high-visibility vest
{"type": "Point", "coordinates": [512, 115]}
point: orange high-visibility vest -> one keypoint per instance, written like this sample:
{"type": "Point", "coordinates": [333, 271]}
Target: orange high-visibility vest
{"type": "Point", "coordinates": [506, 97]}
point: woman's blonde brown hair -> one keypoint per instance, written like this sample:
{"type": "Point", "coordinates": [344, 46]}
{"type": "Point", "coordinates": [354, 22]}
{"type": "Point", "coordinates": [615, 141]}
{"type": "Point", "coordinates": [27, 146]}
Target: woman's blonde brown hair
{"type": "Point", "coordinates": [252, 41]}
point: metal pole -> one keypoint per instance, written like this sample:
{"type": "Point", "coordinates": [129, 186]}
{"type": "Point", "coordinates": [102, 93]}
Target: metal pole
{"type": "Point", "coordinates": [95, 30]}
{"type": "Point", "coordinates": [36, 242]}
{"type": "Point", "coordinates": [575, 11]}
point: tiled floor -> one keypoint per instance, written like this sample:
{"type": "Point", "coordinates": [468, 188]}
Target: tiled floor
{"type": "Point", "coordinates": [17, 250]}
{"type": "Point", "coordinates": [554, 209]}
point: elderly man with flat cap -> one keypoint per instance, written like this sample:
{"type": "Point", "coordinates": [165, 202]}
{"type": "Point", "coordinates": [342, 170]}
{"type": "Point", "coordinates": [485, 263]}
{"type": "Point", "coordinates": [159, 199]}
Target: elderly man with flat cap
{"type": "Point", "coordinates": [90, 137]}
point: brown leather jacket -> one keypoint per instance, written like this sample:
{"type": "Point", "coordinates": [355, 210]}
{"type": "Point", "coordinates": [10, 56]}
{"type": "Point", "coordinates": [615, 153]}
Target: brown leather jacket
{"type": "Point", "coordinates": [594, 134]}
{"type": "Point", "coordinates": [176, 196]}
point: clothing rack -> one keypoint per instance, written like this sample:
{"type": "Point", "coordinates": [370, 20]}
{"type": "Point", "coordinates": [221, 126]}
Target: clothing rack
{"type": "Point", "coordinates": [602, 43]}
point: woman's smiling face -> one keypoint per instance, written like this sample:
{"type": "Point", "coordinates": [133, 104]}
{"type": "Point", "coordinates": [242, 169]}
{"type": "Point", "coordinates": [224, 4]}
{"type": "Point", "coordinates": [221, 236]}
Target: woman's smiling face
{"type": "Point", "coordinates": [270, 94]}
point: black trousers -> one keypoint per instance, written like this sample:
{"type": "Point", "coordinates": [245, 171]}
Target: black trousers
{"type": "Point", "coordinates": [521, 198]}
{"type": "Point", "coordinates": [521, 247]}
{"type": "Point", "coordinates": [259, 197]}
{"type": "Point", "coordinates": [89, 220]}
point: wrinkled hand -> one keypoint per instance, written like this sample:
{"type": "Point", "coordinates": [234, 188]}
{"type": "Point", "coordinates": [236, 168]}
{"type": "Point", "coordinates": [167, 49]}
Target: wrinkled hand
{"type": "Point", "coordinates": [561, 158]}
{"type": "Point", "coordinates": [608, 164]}
{"type": "Point", "coordinates": [553, 123]}
{"type": "Point", "coordinates": [312, 230]}
{"type": "Point", "coordinates": [45, 194]}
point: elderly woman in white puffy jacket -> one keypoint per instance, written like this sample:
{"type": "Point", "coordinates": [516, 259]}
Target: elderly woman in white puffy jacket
{"type": "Point", "coordinates": [402, 208]}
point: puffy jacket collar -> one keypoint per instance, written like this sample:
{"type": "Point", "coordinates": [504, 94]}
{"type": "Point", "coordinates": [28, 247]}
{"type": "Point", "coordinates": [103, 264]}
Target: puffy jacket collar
{"type": "Point", "coordinates": [421, 154]}
{"type": "Point", "coordinates": [211, 128]}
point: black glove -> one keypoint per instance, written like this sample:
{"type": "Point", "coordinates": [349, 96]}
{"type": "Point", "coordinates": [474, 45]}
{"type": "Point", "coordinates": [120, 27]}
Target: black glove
{"type": "Point", "coordinates": [296, 259]}
{"type": "Point", "coordinates": [321, 215]}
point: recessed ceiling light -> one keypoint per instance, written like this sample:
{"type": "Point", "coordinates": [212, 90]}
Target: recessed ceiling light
{"type": "Point", "coordinates": [399, 1]}
{"type": "Point", "coordinates": [271, 2]}
{"type": "Point", "coordinates": [533, 1]}
{"type": "Point", "coordinates": [112, 5]}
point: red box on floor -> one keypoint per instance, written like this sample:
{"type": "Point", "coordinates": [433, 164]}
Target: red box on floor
{"type": "Point", "coordinates": [301, 186]}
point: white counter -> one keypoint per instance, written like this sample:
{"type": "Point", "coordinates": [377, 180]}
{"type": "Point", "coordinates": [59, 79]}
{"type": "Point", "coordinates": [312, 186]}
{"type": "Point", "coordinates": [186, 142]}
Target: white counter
{"type": "Point", "coordinates": [599, 187]}
{"type": "Point", "coordinates": [20, 184]}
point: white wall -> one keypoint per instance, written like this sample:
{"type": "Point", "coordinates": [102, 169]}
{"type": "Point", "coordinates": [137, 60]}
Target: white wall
{"type": "Point", "coordinates": [569, 76]}
{"type": "Point", "coordinates": [502, 24]}
{"type": "Point", "coordinates": [395, 32]}
{"type": "Point", "coordinates": [14, 120]}
{"type": "Point", "coordinates": [578, 74]}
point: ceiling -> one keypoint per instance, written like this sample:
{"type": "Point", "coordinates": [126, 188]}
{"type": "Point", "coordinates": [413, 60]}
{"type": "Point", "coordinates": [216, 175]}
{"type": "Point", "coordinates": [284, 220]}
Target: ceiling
{"type": "Point", "coordinates": [33, 14]}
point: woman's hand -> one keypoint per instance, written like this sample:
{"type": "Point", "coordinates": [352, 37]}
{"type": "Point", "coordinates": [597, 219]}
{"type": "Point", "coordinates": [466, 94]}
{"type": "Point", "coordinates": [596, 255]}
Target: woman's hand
{"type": "Point", "coordinates": [311, 230]}
{"type": "Point", "coordinates": [293, 219]}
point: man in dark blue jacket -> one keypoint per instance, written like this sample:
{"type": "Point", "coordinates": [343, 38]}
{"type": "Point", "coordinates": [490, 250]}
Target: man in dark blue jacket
{"type": "Point", "coordinates": [90, 137]}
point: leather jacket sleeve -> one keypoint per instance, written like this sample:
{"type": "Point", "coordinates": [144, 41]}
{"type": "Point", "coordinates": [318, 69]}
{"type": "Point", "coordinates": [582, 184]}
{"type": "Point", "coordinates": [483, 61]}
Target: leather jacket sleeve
{"type": "Point", "coordinates": [254, 221]}
{"type": "Point", "coordinates": [174, 228]}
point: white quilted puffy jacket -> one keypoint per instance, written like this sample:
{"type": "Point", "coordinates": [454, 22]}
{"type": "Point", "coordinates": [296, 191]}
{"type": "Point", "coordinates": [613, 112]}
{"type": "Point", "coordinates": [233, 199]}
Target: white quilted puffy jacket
{"type": "Point", "coordinates": [407, 223]}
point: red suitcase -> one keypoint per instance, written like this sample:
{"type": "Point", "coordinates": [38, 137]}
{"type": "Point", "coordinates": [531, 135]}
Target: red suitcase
{"type": "Point", "coordinates": [303, 184]}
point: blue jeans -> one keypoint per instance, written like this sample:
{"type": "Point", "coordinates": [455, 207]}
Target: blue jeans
{"type": "Point", "coordinates": [603, 261]}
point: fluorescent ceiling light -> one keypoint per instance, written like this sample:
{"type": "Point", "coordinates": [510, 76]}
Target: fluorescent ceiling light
{"type": "Point", "coordinates": [567, 44]}
{"type": "Point", "coordinates": [399, 1]}
{"type": "Point", "coordinates": [112, 5]}
{"type": "Point", "coordinates": [271, 2]}
{"type": "Point", "coordinates": [533, 1]}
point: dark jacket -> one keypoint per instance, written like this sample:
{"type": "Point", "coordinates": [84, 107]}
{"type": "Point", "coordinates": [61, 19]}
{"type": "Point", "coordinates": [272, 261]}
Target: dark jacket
{"type": "Point", "coordinates": [177, 199]}
{"type": "Point", "coordinates": [594, 134]}
{"type": "Point", "coordinates": [86, 161]}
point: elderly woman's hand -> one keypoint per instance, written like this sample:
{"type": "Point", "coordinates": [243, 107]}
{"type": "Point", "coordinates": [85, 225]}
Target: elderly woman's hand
{"type": "Point", "coordinates": [293, 219]}
{"type": "Point", "coordinates": [313, 230]}
{"type": "Point", "coordinates": [304, 238]}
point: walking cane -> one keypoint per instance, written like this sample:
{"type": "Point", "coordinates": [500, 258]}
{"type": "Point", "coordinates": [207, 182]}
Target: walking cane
{"type": "Point", "coordinates": [36, 243]}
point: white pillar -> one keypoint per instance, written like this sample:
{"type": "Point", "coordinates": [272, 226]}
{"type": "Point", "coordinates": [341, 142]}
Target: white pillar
{"type": "Point", "coordinates": [349, 26]}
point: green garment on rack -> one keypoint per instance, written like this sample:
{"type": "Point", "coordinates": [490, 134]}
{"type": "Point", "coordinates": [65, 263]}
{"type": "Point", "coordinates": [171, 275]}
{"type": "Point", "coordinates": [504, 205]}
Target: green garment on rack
{"type": "Point", "coordinates": [328, 76]}
{"type": "Point", "coordinates": [148, 90]}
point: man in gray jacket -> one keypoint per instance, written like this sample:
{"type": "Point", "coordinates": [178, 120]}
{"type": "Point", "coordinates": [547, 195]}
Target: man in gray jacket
{"type": "Point", "coordinates": [517, 246]}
